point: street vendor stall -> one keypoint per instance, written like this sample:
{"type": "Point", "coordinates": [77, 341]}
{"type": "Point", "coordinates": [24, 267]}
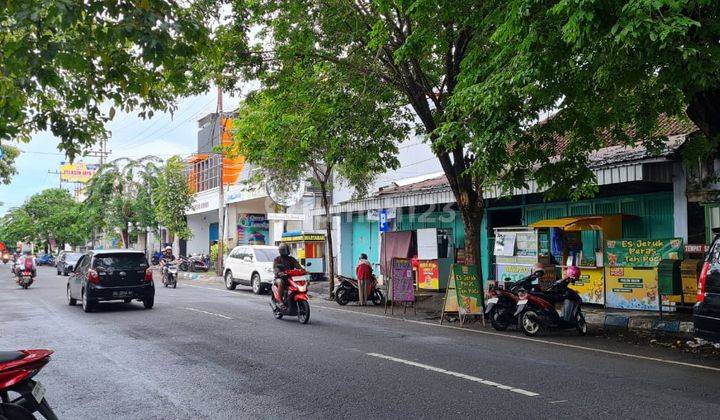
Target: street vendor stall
{"type": "Point", "coordinates": [516, 250]}
{"type": "Point", "coordinates": [309, 249]}
{"type": "Point", "coordinates": [580, 241]}
{"type": "Point", "coordinates": [632, 272]}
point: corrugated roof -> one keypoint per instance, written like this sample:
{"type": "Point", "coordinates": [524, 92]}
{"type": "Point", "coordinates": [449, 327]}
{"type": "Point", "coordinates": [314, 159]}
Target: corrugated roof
{"type": "Point", "coordinates": [675, 130]}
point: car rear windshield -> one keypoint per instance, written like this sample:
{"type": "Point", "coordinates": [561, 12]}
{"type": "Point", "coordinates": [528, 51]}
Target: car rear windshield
{"type": "Point", "coordinates": [73, 257]}
{"type": "Point", "coordinates": [266, 254]}
{"type": "Point", "coordinates": [121, 261]}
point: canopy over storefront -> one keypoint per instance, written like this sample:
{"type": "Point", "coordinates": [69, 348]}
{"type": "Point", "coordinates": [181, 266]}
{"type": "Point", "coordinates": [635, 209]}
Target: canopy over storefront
{"type": "Point", "coordinates": [579, 223]}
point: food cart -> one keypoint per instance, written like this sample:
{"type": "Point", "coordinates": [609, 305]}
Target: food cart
{"type": "Point", "coordinates": [516, 250]}
{"type": "Point", "coordinates": [309, 249]}
{"type": "Point", "coordinates": [580, 241]}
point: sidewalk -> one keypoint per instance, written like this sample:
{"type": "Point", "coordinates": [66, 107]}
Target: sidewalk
{"type": "Point", "coordinates": [429, 306]}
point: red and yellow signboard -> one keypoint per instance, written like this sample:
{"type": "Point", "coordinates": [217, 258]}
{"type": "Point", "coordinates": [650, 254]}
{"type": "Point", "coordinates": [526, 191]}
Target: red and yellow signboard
{"type": "Point", "coordinates": [428, 275]}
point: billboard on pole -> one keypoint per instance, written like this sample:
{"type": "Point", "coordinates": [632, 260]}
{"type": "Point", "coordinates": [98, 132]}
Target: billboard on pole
{"type": "Point", "coordinates": [79, 172]}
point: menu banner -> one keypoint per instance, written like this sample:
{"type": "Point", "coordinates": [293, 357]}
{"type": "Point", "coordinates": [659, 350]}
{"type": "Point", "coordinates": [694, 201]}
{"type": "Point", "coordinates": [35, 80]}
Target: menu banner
{"type": "Point", "coordinates": [402, 280]}
{"type": "Point", "coordinates": [642, 252]}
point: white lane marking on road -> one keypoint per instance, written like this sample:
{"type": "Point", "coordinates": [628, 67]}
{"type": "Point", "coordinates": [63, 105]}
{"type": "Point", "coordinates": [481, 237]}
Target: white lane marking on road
{"type": "Point", "coordinates": [208, 313]}
{"type": "Point", "coordinates": [513, 337]}
{"type": "Point", "coordinates": [536, 340]}
{"type": "Point", "coordinates": [223, 290]}
{"type": "Point", "coordinates": [456, 374]}
{"type": "Point", "coordinates": [558, 402]}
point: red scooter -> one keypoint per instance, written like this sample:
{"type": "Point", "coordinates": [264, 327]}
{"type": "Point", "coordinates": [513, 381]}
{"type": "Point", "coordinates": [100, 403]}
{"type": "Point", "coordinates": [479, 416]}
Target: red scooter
{"type": "Point", "coordinates": [25, 275]}
{"type": "Point", "coordinates": [17, 370]}
{"type": "Point", "coordinates": [295, 300]}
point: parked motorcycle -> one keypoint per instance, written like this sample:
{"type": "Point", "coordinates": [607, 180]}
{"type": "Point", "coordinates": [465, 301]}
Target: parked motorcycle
{"type": "Point", "coordinates": [198, 263]}
{"type": "Point", "coordinates": [184, 263]}
{"type": "Point", "coordinates": [536, 310]}
{"type": "Point", "coordinates": [17, 372]}
{"type": "Point", "coordinates": [192, 264]}
{"type": "Point", "coordinates": [502, 301]}
{"type": "Point", "coordinates": [295, 300]}
{"type": "Point", "coordinates": [170, 272]}
{"type": "Point", "coordinates": [347, 291]}
{"type": "Point", "coordinates": [45, 259]}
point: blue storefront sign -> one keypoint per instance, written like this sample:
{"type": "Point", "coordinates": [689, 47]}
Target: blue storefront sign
{"type": "Point", "coordinates": [383, 225]}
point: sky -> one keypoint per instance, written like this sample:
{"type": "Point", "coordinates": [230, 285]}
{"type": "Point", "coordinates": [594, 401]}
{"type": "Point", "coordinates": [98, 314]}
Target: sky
{"type": "Point", "coordinates": [163, 135]}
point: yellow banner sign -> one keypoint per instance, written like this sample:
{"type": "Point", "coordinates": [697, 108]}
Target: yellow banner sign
{"type": "Point", "coordinates": [79, 172]}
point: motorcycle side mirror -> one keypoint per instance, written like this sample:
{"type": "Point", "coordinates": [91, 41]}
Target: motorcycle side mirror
{"type": "Point", "coordinates": [308, 263]}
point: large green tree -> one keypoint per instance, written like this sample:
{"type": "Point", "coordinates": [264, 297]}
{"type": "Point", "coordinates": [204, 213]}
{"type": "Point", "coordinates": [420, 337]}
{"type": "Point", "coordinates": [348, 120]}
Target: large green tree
{"type": "Point", "coordinates": [172, 198]}
{"type": "Point", "coordinates": [415, 49]}
{"type": "Point", "coordinates": [603, 70]}
{"type": "Point", "coordinates": [50, 216]}
{"type": "Point", "coordinates": [309, 120]}
{"type": "Point", "coordinates": [62, 59]}
{"type": "Point", "coordinates": [56, 217]}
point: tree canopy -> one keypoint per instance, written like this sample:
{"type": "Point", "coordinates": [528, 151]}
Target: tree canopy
{"type": "Point", "coordinates": [63, 59]}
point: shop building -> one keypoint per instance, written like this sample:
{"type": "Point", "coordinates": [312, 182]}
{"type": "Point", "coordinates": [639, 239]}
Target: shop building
{"type": "Point", "coordinates": [643, 194]}
{"type": "Point", "coordinates": [246, 205]}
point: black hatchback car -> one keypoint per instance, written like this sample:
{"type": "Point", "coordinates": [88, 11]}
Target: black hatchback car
{"type": "Point", "coordinates": [706, 312]}
{"type": "Point", "coordinates": [113, 274]}
{"type": "Point", "coordinates": [66, 262]}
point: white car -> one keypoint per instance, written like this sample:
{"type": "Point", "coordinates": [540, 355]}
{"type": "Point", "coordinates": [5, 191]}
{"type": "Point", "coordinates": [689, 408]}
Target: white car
{"type": "Point", "coordinates": [251, 265]}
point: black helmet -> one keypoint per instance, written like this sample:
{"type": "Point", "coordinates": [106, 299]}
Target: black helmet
{"type": "Point", "coordinates": [284, 250]}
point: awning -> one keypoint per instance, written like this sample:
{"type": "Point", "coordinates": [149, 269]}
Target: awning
{"type": "Point", "coordinates": [581, 222]}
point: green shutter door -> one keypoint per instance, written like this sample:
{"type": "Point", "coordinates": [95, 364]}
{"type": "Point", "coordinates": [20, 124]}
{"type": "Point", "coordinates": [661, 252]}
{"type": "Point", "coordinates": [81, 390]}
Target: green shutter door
{"type": "Point", "coordinates": [659, 218]}
{"type": "Point", "coordinates": [632, 228]}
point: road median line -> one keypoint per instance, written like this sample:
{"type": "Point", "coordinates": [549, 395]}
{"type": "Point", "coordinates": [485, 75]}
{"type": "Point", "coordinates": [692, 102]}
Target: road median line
{"type": "Point", "coordinates": [456, 374]}
{"type": "Point", "coordinates": [208, 313]}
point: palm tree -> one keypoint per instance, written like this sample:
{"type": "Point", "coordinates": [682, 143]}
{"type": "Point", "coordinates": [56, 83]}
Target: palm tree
{"type": "Point", "coordinates": [118, 191]}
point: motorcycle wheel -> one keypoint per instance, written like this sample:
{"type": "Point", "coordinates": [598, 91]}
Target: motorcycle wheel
{"type": "Point", "coordinates": [9, 411]}
{"type": "Point", "coordinates": [25, 285]}
{"type": "Point", "coordinates": [174, 284]}
{"type": "Point", "coordinates": [530, 323]}
{"type": "Point", "coordinates": [498, 319]}
{"type": "Point", "coordinates": [183, 267]}
{"type": "Point", "coordinates": [580, 323]}
{"type": "Point", "coordinates": [341, 297]}
{"type": "Point", "coordinates": [377, 298]}
{"type": "Point", "coordinates": [303, 311]}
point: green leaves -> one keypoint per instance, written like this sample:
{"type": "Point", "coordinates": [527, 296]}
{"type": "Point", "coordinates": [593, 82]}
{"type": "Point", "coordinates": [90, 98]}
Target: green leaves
{"type": "Point", "coordinates": [172, 198]}
{"type": "Point", "coordinates": [61, 59]}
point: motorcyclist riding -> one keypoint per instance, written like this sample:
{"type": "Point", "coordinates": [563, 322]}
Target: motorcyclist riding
{"type": "Point", "coordinates": [26, 262]}
{"type": "Point", "coordinates": [167, 257]}
{"type": "Point", "coordinates": [281, 264]}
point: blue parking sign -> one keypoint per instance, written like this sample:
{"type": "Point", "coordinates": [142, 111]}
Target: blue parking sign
{"type": "Point", "coordinates": [383, 225]}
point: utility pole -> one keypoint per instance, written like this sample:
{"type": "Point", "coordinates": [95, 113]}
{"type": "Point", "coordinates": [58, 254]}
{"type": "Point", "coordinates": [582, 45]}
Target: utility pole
{"type": "Point", "coordinates": [221, 186]}
{"type": "Point", "coordinates": [102, 154]}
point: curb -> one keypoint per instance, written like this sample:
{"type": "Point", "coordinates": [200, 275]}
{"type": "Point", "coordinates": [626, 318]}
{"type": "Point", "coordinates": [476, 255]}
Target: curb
{"type": "Point", "coordinates": [644, 324]}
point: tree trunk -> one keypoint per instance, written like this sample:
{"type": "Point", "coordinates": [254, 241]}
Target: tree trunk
{"type": "Point", "coordinates": [125, 236]}
{"type": "Point", "coordinates": [328, 230]}
{"type": "Point", "coordinates": [704, 111]}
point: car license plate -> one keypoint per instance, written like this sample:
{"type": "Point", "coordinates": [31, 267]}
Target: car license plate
{"type": "Point", "coordinates": [522, 301]}
{"type": "Point", "coordinates": [121, 294]}
{"type": "Point", "coordinates": [38, 392]}
{"type": "Point", "coordinates": [492, 300]}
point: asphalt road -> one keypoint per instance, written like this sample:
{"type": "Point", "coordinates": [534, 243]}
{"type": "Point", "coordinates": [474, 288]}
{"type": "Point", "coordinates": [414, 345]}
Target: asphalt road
{"type": "Point", "coordinates": [205, 352]}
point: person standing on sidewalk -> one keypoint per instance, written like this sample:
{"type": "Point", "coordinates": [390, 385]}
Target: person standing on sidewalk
{"type": "Point", "coordinates": [364, 275]}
